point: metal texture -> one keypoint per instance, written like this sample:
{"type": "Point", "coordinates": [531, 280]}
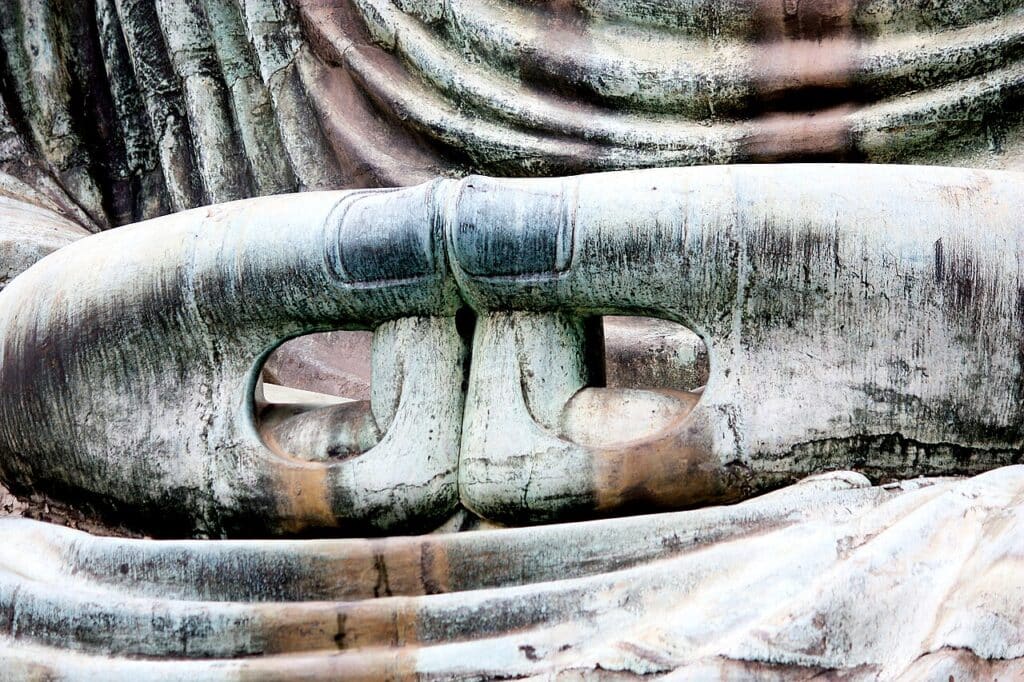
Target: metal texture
{"type": "Point", "coordinates": [152, 337]}
{"type": "Point", "coordinates": [123, 110]}
{"type": "Point", "coordinates": [118, 111]}
{"type": "Point", "coordinates": [829, 577]}
{"type": "Point", "coordinates": [856, 317]}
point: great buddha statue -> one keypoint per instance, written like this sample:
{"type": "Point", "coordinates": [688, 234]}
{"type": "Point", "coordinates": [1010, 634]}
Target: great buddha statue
{"type": "Point", "coordinates": [474, 339]}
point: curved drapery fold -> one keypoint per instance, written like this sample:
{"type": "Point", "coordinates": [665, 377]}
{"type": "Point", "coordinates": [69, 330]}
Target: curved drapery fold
{"type": "Point", "coordinates": [133, 108]}
{"type": "Point", "coordinates": [696, 594]}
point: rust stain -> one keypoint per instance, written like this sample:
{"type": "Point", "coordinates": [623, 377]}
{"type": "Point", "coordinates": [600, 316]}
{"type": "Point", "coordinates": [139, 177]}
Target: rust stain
{"type": "Point", "coordinates": [393, 623]}
{"type": "Point", "coordinates": [803, 80]}
{"type": "Point", "coordinates": [784, 136]}
{"type": "Point", "coordinates": [292, 628]}
{"type": "Point", "coordinates": [674, 469]}
{"type": "Point", "coordinates": [400, 566]}
{"type": "Point", "coordinates": [434, 569]}
{"type": "Point", "coordinates": [801, 19]}
{"type": "Point", "coordinates": [303, 495]}
{"type": "Point", "coordinates": [372, 665]}
{"type": "Point", "coordinates": [794, 65]}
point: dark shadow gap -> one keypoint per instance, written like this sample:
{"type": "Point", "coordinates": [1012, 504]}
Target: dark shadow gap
{"type": "Point", "coordinates": [313, 400]}
{"type": "Point", "coordinates": [646, 352]}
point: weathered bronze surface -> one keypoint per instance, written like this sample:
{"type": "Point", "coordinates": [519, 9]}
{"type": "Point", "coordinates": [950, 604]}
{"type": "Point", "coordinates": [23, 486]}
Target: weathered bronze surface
{"type": "Point", "coordinates": [810, 580]}
{"type": "Point", "coordinates": [841, 317]}
{"type": "Point", "coordinates": [141, 107]}
{"type": "Point", "coordinates": [862, 317]}
{"type": "Point", "coordinates": [122, 110]}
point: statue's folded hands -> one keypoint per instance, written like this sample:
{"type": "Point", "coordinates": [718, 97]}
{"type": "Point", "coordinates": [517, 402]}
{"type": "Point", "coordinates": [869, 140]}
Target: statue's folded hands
{"type": "Point", "coordinates": [862, 317]}
{"type": "Point", "coordinates": [129, 362]}
{"type": "Point", "coordinates": [856, 317]}
{"type": "Point", "coordinates": [813, 374]}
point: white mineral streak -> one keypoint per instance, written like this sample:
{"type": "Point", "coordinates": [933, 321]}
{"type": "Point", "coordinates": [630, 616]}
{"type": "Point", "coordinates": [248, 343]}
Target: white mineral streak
{"type": "Point", "coordinates": [284, 395]}
{"type": "Point", "coordinates": [911, 581]}
{"type": "Point", "coordinates": [852, 314]}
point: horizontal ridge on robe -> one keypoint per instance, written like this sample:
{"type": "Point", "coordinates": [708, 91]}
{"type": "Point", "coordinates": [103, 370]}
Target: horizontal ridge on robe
{"type": "Point", "coordinates": [917, 580]}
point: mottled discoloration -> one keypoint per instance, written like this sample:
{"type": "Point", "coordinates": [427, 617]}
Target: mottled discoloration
{"type": "Point", "coordinates": [835, 327]}
{"type": "Point", "coordinates": [499, 80]}
{"type": "Point", "coordinates": [153, 336]}
{"type": "Point", "coordinates": [130, 109]}
{"type": "Point", "coordinates": [854, 316]}
{"type": "Point", "coordinates": [674, 469]}
{"type": "Point", "coordinates": [644, 352]}
{"type": "Point", "coordinates": [636, 596]}
{"type": "Point", "coordinates": [335, 363]}
{"type": "Point", "coordinates": [805, 20]}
